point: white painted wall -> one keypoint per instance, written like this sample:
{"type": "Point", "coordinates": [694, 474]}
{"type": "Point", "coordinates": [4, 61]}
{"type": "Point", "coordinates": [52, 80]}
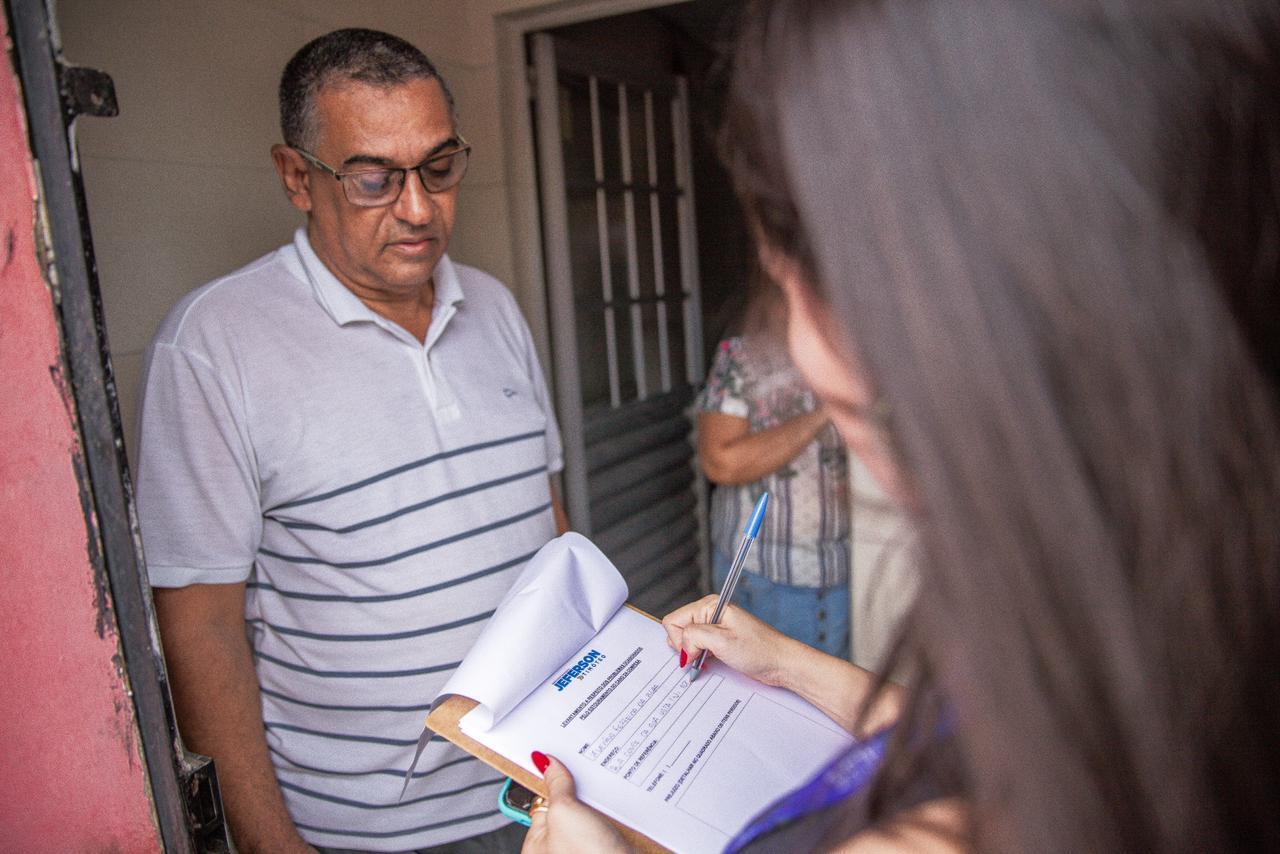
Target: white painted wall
{"type": "Point", "coordinates": [180, 185]}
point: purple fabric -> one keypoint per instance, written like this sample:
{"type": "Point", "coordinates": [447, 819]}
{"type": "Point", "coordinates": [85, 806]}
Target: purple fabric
{"type": "Point", "coordinates": [846, 775]}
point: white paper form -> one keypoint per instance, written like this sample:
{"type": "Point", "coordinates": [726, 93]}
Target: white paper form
{"type": "Point", "coordinates": [564, 595]}
{"type": "Point", "coordinates": [687, 765]}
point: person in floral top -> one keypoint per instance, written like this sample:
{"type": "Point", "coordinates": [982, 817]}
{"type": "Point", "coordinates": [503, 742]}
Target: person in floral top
{"type": "Point", "coordinates": [760, 428]}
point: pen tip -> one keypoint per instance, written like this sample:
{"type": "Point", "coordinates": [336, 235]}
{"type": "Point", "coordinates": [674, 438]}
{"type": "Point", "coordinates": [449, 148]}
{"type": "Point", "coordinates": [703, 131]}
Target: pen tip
{"type": "Point", "coordinates": [757, 516]}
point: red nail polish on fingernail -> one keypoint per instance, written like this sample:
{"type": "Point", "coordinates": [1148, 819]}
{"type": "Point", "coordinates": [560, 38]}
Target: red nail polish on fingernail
{"type": "Point", "coordinates": [684, 658]}
{"type": "Point", "coordinates": [540, 761]}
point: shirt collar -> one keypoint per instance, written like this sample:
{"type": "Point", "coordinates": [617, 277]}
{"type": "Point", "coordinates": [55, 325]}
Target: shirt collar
{"type": "Point", "coordinates": [344, 306]}
{"type": "Point", "coordinates": [448, 286]}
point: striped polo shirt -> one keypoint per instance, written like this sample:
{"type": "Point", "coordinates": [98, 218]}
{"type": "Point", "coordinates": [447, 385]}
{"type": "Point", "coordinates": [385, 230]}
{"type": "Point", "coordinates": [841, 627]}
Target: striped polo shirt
{"type": "Point", "coordinates": [377, 494]}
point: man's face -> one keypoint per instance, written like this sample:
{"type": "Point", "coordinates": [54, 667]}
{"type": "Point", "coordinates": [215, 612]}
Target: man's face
{"type": "Point", "coordinates": [390, 252]}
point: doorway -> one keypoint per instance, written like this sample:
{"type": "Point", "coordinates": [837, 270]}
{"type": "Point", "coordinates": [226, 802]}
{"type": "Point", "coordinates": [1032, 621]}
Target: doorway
{"type": "Point", "coordinates": [645, 253]}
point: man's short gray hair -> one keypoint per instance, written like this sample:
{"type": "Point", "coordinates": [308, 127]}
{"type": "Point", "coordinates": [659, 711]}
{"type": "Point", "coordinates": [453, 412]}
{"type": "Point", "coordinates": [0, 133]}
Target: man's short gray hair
{"type": "Point", "coordinates": [365, 56]}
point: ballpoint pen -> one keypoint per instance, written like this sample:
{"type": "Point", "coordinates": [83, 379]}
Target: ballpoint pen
{"type": "Point", "coordinates": [735, 570]}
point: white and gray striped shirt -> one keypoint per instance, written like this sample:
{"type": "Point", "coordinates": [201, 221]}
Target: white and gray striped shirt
{"type": "Point", "coordinates": [377, 494]}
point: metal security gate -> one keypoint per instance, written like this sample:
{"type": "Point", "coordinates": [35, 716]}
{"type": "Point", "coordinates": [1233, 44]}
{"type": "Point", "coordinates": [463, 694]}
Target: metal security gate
{"type": "Point", "coordinates": [618, 229]}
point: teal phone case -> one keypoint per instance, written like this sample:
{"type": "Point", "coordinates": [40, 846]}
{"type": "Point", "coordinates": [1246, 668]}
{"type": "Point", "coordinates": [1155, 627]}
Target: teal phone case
{"type": "Point", "coordinates": [508, 810]}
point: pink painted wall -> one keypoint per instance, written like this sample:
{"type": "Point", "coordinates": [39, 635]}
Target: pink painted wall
{"type": "Point", "coordinates": [72, 776]}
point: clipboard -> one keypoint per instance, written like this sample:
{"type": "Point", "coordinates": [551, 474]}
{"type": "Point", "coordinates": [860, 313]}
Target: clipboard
{"type": "Point", "coordinates": [699, 764]}
{"type": "Point", "coordinates": [444, 719]}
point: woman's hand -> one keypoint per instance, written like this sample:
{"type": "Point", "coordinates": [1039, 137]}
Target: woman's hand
{"type": "Point", "coordinates": [755, 648]}
{"type": "Point", "coordinates": [740, 640]}
{"type": "Point", "coordinates": [566, 823]}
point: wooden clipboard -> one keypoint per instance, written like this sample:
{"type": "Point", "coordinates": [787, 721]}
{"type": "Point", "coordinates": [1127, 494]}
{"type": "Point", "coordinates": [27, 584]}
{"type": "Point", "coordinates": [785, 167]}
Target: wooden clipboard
{"type": "Point", "coordinates": [445, 718]}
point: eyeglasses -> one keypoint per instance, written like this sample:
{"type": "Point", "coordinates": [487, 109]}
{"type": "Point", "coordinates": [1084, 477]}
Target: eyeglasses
{"type": "Point", "coordinates": [373, 188]}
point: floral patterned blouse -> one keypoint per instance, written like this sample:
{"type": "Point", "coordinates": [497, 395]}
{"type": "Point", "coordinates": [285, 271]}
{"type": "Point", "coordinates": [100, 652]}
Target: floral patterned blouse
{"type": "Point", "coordinates": [804, 541]}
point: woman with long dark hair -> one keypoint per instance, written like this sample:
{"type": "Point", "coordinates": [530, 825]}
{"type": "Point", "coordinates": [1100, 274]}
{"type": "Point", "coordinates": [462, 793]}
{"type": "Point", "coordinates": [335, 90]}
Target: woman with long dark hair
{"type": "Point", "coordinates": [1031, 253]}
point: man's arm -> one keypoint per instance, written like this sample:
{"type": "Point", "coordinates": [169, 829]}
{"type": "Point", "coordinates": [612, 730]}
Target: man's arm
{"type": "Point", "coordinates": [557, 509]}
{"type": "Point", "coordinates": [215, 691]}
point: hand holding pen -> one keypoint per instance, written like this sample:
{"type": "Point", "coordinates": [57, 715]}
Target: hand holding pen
{"type": "Point", "coordinates": [731, 580]}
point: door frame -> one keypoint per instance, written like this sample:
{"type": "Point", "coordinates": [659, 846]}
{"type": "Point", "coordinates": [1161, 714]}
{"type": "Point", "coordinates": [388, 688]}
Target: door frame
{"type": "Point", "coordinates": [184, 798]}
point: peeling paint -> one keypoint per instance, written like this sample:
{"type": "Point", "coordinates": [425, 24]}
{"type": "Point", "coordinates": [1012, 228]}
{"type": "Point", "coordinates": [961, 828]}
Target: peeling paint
{"type": "Point", "coordinates": [105, 620]}
{"type": "Point", "coordinates": [123, 704]}
{"type": "Point", "coordinates": [70, 723]}
{"type": "Point", "coordinates": [44, 238]}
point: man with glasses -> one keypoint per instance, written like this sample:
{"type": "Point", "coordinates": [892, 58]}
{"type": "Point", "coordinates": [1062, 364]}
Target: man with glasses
{"type": "Point", "coordinates": [345, 454]}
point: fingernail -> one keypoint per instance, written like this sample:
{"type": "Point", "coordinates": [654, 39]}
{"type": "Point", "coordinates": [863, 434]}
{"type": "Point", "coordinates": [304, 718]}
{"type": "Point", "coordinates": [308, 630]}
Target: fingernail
{"type": "Point", "coordinates": [540, 761]}
{"type": "Point", "coordinates": [684, 658]}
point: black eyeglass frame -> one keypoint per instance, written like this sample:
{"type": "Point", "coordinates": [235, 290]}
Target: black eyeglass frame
{"type": "Point", "coordinates": [464, 147]}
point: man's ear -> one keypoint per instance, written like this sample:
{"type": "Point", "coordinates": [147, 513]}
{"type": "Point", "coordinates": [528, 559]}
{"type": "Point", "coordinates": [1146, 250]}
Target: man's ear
{"type": "Point", "coordinates": [292, 169]}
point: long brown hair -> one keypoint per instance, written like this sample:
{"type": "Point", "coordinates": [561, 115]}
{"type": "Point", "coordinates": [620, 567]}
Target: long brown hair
{"type": "Point", "coordinates": [1050, 232]}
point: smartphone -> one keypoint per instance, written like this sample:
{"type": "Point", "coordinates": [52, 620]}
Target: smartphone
{"type": "Point", "coordinates": [515, 800]}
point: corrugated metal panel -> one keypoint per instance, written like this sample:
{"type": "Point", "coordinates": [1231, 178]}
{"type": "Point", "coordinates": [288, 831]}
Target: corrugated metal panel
{"type": "Point", "coordinates": [641, 481]}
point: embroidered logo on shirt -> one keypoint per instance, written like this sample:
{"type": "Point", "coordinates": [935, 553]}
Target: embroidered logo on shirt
{"type": "Point", "coordinates": [509, 392]}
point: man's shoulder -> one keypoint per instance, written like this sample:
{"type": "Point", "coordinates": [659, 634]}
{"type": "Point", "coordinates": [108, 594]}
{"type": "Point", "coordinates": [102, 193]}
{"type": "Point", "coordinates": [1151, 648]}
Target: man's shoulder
{"type": "Point", "coordinates": [240, 297]}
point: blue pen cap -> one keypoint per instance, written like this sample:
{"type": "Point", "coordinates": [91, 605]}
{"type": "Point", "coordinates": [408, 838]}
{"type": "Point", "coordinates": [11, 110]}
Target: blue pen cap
{"type": "Point", "coordinates": [757, 516]}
